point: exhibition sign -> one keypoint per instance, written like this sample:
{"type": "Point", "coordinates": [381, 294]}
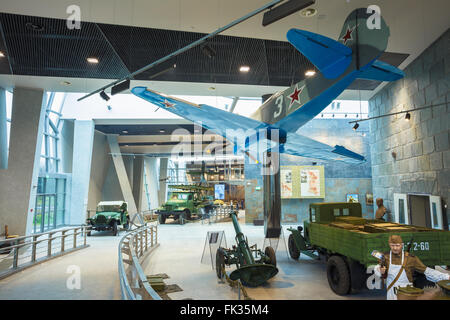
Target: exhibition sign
{"type": "Point", "coordinates": [302, 182]}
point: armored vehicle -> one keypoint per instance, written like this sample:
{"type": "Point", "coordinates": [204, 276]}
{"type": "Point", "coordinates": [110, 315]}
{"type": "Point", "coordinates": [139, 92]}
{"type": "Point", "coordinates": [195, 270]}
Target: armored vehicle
{"type": "Point", "coordinates": [337, 233]}
{"type": "Point", "coordinates": [185, 201]}
{"type": "Point", "coordinates": [110, 215]}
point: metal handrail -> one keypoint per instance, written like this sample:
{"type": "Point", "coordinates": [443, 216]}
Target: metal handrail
{"type": "Point", "coordinates": [137, 244]}
{"type": "Point", "coordinates": [20, 263]}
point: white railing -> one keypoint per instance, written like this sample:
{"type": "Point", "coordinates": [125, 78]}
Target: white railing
{"type": "Point", "coordinates": [137, 245]}
{"type": "Point", "coordinates": [17, 254]}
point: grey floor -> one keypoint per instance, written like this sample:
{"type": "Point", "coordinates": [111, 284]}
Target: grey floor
{"type": "Point", "coordinates": [179, 256]}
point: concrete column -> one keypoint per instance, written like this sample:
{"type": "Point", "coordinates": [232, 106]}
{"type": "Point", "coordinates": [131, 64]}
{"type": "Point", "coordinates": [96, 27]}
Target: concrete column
{"type": "Point", "coordinates": [163, 168]}
{"type": "Point", "coordinates": [3, 131]}
{"type": "Point", "coordinates": [83, 140]}
{"type": "Point", "coordinates": [128, 162]}
{"type": "Point", "coordinates": [138, 181]}
{"type": "Point", "coordinates": [122, 173]}
{"type": "Point", "coordinates": [151, 171]}
{"type": "Point", "coordinates": [18, 184]}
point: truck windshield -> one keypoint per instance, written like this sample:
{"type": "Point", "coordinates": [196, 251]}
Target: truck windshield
{"type": "Point", "coordinates": [179, 196]}
{"type": "Point", "coordinates": [114, 208]}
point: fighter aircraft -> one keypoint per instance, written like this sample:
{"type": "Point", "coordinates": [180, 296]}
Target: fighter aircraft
{"type": "Point", "coordinates": [353, 56]}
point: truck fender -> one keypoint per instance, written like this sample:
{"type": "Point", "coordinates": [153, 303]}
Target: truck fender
{"type": "Point", "coordinates": [300, 242]}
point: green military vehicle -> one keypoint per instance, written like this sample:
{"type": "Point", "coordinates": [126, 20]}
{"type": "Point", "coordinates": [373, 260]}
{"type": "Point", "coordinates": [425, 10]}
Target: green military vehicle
{"type": "Point", "coordinates": [337, 233]}
{"type": "Point", "coordinates": [185, 201]}
{"type": "Point", "coordinates": [110, 215]}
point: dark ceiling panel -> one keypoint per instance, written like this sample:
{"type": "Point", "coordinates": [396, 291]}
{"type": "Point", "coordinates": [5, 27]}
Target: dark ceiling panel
{"type": "Point", "coordinates": [145, 129]}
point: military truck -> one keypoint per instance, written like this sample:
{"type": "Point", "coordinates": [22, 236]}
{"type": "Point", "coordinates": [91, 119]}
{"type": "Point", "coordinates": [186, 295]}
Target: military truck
{"type": "Point", "coordinates": [110, 215]}
{"type": "Point", "coordinates": [337, 233]}
{"type": "Point", "coordinates": [185, 201]}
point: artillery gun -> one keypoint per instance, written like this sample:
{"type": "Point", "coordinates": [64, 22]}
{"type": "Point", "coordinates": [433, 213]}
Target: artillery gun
{"type": "Point", "coordinates": [254, 267]}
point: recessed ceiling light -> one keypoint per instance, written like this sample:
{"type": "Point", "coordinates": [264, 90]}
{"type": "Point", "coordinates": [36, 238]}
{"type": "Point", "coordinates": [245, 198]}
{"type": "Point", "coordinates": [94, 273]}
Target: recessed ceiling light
{"type": "Point", "coordinates": [308, 12]}
{"type": "Point", "coordinates": [34, 27]}
{"type": "Point", "coordinates": [92, 60]}
{"type": "Point", "coordinates": [2, 55]}
{"type": "Point", "coordinates": [66, 83]}
{"type": "Point", "coordinates": [310, 73]}
{"type": "Point", "coordinates": [125, 131]}
{"type": "Point", "coordinates": [244, 69]}
{"type": "Point", "coordinates": [212, 88]}
{"type": "Point", "coordinates": [162, 131]}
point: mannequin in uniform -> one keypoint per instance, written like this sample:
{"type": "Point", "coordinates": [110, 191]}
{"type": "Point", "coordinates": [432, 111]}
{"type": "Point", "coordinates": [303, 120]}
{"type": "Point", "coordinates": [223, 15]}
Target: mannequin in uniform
{"type": "Point", "coordinates": [381, 211]}
{"type": "Point", "coordinates": [400, 266]}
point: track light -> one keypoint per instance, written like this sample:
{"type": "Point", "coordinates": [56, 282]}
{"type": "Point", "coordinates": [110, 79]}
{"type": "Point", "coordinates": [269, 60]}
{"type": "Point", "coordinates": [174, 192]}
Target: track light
{"type": "Point", "coordinates": [104, 96]}
{"type": "Point", "coordinates": [408, 116]}
{"type": "Point", "coordinates": [310, 73]}
{"type": "Point", "coordinates": [208, 51]}
{"type": "Point", "coordinates": [356, 126]}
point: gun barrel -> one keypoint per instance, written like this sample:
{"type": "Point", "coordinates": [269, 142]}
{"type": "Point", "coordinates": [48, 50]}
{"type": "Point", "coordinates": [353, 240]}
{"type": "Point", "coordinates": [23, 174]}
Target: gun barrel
{"type": "Point", "coordinates": [241, 242]}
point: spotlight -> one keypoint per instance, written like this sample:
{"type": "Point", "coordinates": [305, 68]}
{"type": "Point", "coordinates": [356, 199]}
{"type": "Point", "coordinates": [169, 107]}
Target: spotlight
{"type": "Point", "coordinates": [92, 60]}
{"type": "Point", "coordinates": [408, 116]}
{"type": "Point", "coordinates": [208, 51]}
{"type": "Point", "coordinates": [104, 96]}
{"type": "Point", "coordinates": [244, 69]}
{"type": "Point", "coordinates": [2, 55]}
{"type": "Point", "coordinates": [310, 73]}
{"type": "Point", "coordinates": [356, 126]}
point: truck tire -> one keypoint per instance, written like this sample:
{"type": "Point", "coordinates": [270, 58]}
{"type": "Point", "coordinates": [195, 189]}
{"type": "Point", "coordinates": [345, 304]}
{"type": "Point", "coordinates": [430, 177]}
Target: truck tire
{"type": "Point", "coordinates": [114, 228]}
{"type": "Point", "coordinates": [338, 275]}
{"type": "Point", "coordinates": [220, 263]}
{"type": "Point", "coordinates": [161, 218]}
{"type": "Point", "coordinates": [272, 256]}
{"type": "Point", "coordinates": [293, 250]}
{"type": "Point", "coordinates": [187, 214]}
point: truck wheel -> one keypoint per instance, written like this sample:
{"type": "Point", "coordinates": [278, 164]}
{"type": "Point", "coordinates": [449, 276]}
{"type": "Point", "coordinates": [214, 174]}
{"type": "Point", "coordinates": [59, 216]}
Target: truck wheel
{"type": "Point", "coordinates": [220, 263]}
{"type": "Point", "coordinates": [293, 250]}
{"type": "Point", "coordinates": [161, 218]}
{"type": "Point", "coordinates": [114, 228]}
{"type": "Point", "coordinates": [271, 254]}
{"type": "Point", "coordinates": [338, 275]}
{"type": "Point", "coordinates": [187, 214]}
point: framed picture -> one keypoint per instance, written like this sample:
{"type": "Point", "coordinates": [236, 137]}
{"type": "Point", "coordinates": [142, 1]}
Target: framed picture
{"type": "Point", "coordinates": [352, 197]}
{"type": "Point", "coordinates": [369, 199]}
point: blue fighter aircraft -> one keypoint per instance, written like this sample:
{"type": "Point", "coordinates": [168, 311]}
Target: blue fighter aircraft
{"type": "Point", "coordinates": [353, 56]}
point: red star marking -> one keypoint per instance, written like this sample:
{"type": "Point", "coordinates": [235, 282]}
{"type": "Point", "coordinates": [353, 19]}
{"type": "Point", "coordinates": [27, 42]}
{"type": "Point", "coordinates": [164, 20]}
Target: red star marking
{"type": "Point", "coordinates": [295, 96]}
{"type": "Point", "coordinates": [348, 35]}
{"type": "Point", "coordinates": [168, 104]}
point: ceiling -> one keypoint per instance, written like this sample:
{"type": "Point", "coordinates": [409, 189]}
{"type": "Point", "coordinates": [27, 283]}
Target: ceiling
{"type": "Point", "coordinates": [114, 30]}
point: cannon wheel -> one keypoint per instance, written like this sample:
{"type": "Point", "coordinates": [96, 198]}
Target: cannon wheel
{"type": "Point", "coordinates": [338, 275]}
{"type": "Point", "coordinates": [293, 250]}
{"type": "Point", "coordinates": [271, 254]}
{"type": "Point", "coordinates": [220, 263]}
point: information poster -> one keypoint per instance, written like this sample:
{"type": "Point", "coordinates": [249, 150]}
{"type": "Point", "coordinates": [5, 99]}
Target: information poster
{"type": "Point", "coordinates": [286, 183]}
{"type": "Point", "coordinates": [219, 191]}
{"type": "Point", "coordinates": [299, 182]}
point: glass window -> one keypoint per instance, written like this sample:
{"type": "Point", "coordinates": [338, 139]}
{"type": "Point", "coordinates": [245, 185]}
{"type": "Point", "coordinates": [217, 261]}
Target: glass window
{"type": "Point", "coordinates": [346, 212]}
{"type": "Point", "coordinates": [336, 212]}
{"type": "Point", "coordinates": [313, 215]}
{"type": "Point", "coordinates": [435, 217]}
{"type": "Point", "coordinates": [401, 211]}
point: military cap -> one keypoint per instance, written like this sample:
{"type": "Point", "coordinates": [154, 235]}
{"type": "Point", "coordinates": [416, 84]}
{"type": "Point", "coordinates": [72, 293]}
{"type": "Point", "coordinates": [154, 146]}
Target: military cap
{"type": "Point", "coordinates": [393, 238]}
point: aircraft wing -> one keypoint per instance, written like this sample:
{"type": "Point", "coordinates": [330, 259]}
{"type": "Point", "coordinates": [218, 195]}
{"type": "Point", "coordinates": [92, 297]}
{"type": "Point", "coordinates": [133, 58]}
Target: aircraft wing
{"type": "Point", "coordinates": [300, 145]}
{"type": "Point", "coordinates": [220, 121]}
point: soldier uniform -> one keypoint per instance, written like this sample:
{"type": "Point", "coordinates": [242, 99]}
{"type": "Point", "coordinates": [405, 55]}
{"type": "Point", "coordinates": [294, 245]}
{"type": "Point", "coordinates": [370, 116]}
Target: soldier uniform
{"type": "Point", "coordinates": [400, 269]}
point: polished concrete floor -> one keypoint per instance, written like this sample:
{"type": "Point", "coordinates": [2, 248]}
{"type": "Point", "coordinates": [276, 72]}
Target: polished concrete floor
{"type": "Point", "coordinates": [180, 254]}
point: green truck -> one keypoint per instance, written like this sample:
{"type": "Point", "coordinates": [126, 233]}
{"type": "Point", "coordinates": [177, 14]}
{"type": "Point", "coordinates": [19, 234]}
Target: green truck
{"type": "Point", "coordinates": [185, 201]}
{"type": "Point", "coordinates": [337, 233]}
{"type": "Point", "coordinates": [109, 215]}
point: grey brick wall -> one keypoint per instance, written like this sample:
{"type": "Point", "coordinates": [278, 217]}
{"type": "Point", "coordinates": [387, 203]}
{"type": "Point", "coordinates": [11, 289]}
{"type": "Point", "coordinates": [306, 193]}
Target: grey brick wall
{"type": "Point", "coordinates": [422, 163]}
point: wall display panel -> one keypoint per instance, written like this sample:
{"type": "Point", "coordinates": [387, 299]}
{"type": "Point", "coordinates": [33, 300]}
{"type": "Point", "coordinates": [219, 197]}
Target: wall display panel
{"type": "Point", "coordinates": [302, 182]}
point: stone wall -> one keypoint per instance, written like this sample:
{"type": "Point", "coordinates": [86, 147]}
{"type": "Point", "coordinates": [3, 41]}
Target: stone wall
{"type": "Point", "coordinates": [421, 145]}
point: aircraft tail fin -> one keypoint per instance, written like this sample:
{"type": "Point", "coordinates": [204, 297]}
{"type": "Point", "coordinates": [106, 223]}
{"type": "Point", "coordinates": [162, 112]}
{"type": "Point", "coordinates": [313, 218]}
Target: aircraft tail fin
{"type": "Point", "coordinates": [363, 39]}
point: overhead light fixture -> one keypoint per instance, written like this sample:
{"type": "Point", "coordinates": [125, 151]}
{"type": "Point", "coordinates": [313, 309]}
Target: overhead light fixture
{"type": "Point", "coordinates": [66, 83]}
{"type": "Point", "coordinates": [92, 60]}
{"type": "Point", "coordinates": [310, 73]}
{"type": "Point", "coordinates": [162, 131]}
{"type": "Point", "coordinates": [34, 27]}
{"type": "Point", "coordinates": [104, 96]}
{"type": "Point", "coordinates": [408, 116]}
{"type": "Point", "coordinates": [212, 88]}
{"type": "Point", "coordinates": [109, 108]}
{"type": "Point", "coordinates": [125, 131]}
{"type": "Point", "coordinates": [356, 126]}
{"type": "Point", "coordinates": [2, 55]}
{"type": "Point", "coordinates": [244, 69]}
{"type": "Point", "coordinates": [284, 10]}
{"type": "Point", "coordinates": [308, 12]}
